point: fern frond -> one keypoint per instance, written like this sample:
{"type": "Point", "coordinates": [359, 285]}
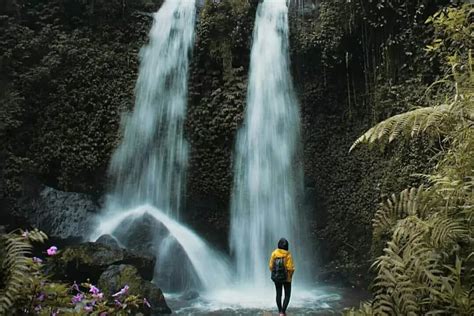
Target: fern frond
{"type": "Point", "coordinates": [430, 120]}
{"type": "Point", "coordinates": [365, 309]}
{"type": "Point", "coordinates": [413, 201]}
{"type": "Point", "coordinates": [446, 231]}
{"type": "Point", "coordinates": [17, 249]}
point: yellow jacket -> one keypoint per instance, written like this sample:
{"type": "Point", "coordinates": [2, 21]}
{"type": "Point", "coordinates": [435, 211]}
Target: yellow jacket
{"type": "Point", "coordinates": [289, 265]}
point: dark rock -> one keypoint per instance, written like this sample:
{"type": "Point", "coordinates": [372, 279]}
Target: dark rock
{"type": "Point", "coordinates": [108, 240]}
{"type": "Point", "coordinates": [141, 234]}
{"type": "Point", "coordinates": [117, 276]}
{"type": "Point", "coordinates": [64, 215]}
{"type": "Point", "coordinates": [143, 262]}
{"type": "Point", "coordinates": [90, 260]}
{"type": "Point", "coordinates": [146, 236]}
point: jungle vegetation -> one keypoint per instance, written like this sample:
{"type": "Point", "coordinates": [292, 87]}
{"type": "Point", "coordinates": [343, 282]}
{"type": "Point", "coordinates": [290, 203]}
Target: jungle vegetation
{"type": "Point", "coordinates": [427, 265]}
{"type": "Point", "coordinates": [68, 68]}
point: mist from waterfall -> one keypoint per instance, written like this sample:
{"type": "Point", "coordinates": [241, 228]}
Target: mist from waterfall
{"type": "Point", "coordinates": [267, 175]}
{"type": "Point", "coordinates": [150, 163]}
{"type": "Point", "coordinates": [211, 267]}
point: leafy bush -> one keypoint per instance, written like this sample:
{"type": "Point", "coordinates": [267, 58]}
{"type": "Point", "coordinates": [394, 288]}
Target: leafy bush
{"type": "Point", "coordinates": [427, 263]}
{"type": "Point", "coordinates": [26, 289]}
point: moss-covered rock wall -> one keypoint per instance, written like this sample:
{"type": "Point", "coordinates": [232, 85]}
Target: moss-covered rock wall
{"type": "Point", "coordinates": [68, 70]}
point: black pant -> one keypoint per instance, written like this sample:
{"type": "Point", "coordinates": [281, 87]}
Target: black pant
{"type": "Point", "coordinates": [286, 301]}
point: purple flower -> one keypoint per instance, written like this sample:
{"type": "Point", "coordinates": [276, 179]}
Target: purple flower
{"type": "Point", "coordinates": [37, 260]}
{"type": "Point", "coordinates": [38, 308]}
{"type": "Point", "coordinates": [103, 314]}
{"type": "Point", "coordinates": [145, 301]}
{"type": "Point", "coordinates": [55, 313]}
{"type": "Point", "coordinates": [75, 287]}
{"type": "Point", "coordinates": [40, 297]}
{"type": "Point", "coordinates": [122, 291]}
{"type": "Point", "coordinates": [118, 303]}
{"type": "Point", "coordinates": [53, 250]}
{"type": "Point", "coordinates": [88, 308]}
{"type": "Point", "coordinates": [94, 290]}
{"type": "Point", "coordinates": [77, 298]}
{"type": "Point", "coordinates": [98, 296]}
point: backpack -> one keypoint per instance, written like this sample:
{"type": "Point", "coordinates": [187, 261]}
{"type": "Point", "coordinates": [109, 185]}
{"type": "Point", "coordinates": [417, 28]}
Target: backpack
{"type": "Point", "coordinates": [279, 273]}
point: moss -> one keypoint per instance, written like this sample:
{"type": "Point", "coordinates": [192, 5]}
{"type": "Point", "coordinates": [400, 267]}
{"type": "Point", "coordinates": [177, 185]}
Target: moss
{"type": "Point", "coordinates": [76, 254]}
{"type": "Point", "coordinates": [128, 276]}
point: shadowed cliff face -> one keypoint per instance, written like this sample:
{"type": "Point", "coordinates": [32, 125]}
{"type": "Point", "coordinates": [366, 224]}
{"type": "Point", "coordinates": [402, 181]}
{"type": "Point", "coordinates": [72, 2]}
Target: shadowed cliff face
{"type": "Point", "coordinates": [68, 71]}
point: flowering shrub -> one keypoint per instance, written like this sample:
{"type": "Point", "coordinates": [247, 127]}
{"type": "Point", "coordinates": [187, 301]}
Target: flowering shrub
{"type": "Point", "coordinates": [38, 295]}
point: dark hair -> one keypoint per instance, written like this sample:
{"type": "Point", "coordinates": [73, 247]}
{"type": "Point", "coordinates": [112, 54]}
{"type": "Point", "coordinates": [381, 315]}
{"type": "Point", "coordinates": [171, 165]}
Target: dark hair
{"type": "Point", "coordinates": [283, 244]}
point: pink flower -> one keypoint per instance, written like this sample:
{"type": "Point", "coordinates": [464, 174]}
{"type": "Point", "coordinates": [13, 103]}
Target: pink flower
{"type": "Point", "coordinates": [75, 287]}
{"type": "Point", "coordinates": [25, 234]}
{"type": "Point", "coordinates": [53, 250]}
{"type": "Point", "coordinates": [145, 301]}
{"type": "Point", "coordinates": [40, 297]}
{"type": "Point", "coordinates": [123, 291]}
{"type": "Point", "coordinates": [118, 303]}
{"type": "Point", "coordinates": [94, 290]}
{"type": "Point", "coordinates": [77, 298]}
{"type": "Point", "coordinates": [88, 308]}
{"type": "Point", "coordinates": [37, 260]}
{"type": "Point", "coordinates": [103, 314]}
{"type": "Point", "coordinates": [98, 296]}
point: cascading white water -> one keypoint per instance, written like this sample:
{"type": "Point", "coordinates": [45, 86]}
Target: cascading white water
{"type": "Point", "coordinates": [210, 266]}
{"type": "Point", "coordinates": [149, 164]}
{"type": "Point", "coordinates": [267, 173]}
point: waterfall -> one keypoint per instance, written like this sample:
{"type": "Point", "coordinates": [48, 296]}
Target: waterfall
{"type": "Point", "coordinates": [148, 168]}
{"type": "Point", "coordinates": [267, 174]}
{"type": "Point", "coordinates": [210, 266]}
{"type": "Point", "coordinates": [150, 162]}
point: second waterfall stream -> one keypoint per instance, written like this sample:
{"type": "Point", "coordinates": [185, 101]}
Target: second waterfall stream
{"type": "Point", "coordinates": [267, 174]}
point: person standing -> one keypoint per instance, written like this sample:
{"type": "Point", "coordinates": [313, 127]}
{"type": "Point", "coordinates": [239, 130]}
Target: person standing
{"type": "Point", "coordinates": [282, 268]}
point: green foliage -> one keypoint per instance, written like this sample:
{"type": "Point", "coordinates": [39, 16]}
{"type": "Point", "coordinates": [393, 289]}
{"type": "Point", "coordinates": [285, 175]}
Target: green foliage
{"type": "Point", "coordinates": [217, 91]}
{"type": "Point", "coordinates": [69, 69]}
{"type": "Point", "coordinates": [432, 121]}
{"type": "Point", "coordinates": [16, 266]}
{"type": "Point", "coordinates": [26, 289]}
{"type": "Point", "coordinates": [324, 34]}
{"type": "Point", "coordinates": [426, 266]}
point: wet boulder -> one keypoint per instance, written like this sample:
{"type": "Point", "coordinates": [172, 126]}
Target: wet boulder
{"type": "Point", "coordinates": [108, 240]}
{"type": "Point", "coordinates": [146, 235]}
{"type": "Point", "coordinates": [89, 260]}
{"type": "Point", "coordinates": [61, 215]}
{"type": "Point", "coordinates": [117, 276]}
{"type": "Point", "coordinates": [141, 234]}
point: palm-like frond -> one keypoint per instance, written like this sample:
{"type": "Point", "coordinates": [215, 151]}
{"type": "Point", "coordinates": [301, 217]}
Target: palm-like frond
{"type": "Point", "coordinates": [17, 249]}
{"type": "Point", "coordinates": [414, 201]}
{"type": "Point", "coordinates": [427, 120]}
